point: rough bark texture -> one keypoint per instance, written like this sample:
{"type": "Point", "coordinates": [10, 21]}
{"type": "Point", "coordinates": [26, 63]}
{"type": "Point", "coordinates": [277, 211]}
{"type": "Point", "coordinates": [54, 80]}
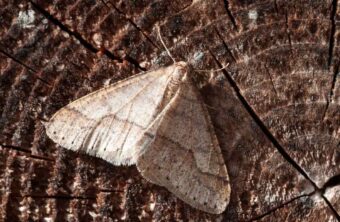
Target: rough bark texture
{"type": "Point", "coordinates": [276, 108]}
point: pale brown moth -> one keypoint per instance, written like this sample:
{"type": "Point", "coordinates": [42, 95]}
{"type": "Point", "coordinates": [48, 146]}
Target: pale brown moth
{"type": "Point", "coordinates": [158, 121]}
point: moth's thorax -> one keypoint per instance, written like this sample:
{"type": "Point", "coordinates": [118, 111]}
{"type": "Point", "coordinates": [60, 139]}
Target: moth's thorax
{"type": "Point", "coordinates": [178, 77]}
{"type": "Point", "coordinates": [180, 72]}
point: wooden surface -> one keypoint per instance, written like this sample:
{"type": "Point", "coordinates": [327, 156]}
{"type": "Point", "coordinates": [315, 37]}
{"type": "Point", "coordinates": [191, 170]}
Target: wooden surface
{"type": "Point", "coordinates": [275, 109]}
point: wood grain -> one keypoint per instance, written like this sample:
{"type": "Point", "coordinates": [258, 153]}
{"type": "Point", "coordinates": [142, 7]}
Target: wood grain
{"type": "Point", "coordinates": [275, 110]}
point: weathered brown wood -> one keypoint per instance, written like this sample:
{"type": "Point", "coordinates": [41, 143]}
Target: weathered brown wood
{"type": "Point", "coordinates": [276, 108]}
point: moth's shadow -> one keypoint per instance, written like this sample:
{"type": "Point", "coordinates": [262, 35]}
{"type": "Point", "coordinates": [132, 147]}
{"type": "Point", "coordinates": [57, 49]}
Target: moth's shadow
{"type": "Point", "coordinates": [251, 159]}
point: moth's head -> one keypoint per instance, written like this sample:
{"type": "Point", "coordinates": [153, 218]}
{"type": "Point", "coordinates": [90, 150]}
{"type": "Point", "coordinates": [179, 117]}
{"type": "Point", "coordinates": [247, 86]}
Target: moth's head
{"type": "Point", "coordinates": [182, 66]}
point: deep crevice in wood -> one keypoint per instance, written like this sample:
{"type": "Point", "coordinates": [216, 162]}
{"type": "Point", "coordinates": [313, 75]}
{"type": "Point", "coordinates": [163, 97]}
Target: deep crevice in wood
{"type": "Point", "coordinates": [335, 76]}
{"type": "Point", "coordinates": [262, 126]}
{"type": "Point", "coordinates": [287, 30]}
{"type": "Point", "coordinates": [337, 216]}
{"type": "Point", "coordinates": [27, 152]}
{"type": "Point", "coordinates": [332, 35]}
{"type": "Point", "coordinates": [276, 7]}
{"type": "Point", "coordinates": [16, 148]}
{"type": "Point", "coordinates": [230, 15]}
{"type": "Point", "coordinates": [133, 24]}
{"type": "Point", "coordinates": [41, 158]}
{"type": "Point", "coordinates": [331, 91]}
{"type": "Point", "coordinates": [86, 44]}
{"type": "Point", "coordinates": [332, 182]}
{"type": "Point", "coordinates": [64, 28]}
{"type": "Point", "coordinates": [269, 212]}
{"type": "Point", "coordinates": [110, 191]}
{"type": "Point", "coordinates": [225, 45]}
{"type": "Point", "coordinates": [24, 65]}
{"type": "Point", "coordinates": [68, 197]}
{"type": "Point", "coordinates": [16, 60]}
{"type": "Point", "coordinates": [271, 80]}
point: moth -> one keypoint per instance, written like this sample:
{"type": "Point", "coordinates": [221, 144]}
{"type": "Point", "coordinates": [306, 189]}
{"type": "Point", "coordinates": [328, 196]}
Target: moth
{"type": "Point", "coordinates": [158, 121]}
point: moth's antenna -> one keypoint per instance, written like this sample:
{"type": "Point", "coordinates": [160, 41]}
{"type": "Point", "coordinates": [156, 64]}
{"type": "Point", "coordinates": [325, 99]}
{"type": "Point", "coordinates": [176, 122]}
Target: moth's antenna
{"type": "Point", "coordinates": [167, 50]}
{"type": "Point", "coordinates": [216, 70]}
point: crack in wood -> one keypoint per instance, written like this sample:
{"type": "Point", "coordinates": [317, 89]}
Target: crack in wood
{"type": "Point", "coordinates": [55, 21]}
{"type": "Point", "coordinates": [271, 80]}
{"type": "Point", "coordinates": [31, 70]}
{"type": "Point", "coordinates": [225, 45]}
{"type": "Point", "coordinates": [110, 191]}
{"type": "Point", "coordinates": [337, 216]}
{"type": "Point", "coordinates": [276, 7]}
{"type": "Point", "coordinates": [82, 41]}
{"type": "Point", "coordinates": [332, 34]}
{"type": "Point", "coordinates": [334, 181]}
{"type": "Point", "coordinates": [230, 15]}
{"type": "Point", "coordinates": [262, 126]}
{"type": "Point", "coordinates": [269, 212]}
{"type": "Point", "coordinates": [331, 91]}
{"type": "Point", "coordinates": [26, 152]}
{"type": "Point", "coordinates": [69, 197]}
{"type": "Point", "coordinates": [131, 22]}
{"type": "Point", "coordinates": [335, 76]}
{"type": "Point", "coordinates": [17, 60]}
{"type": "Point", "coordinates": [16, 148]}
{"type": "Point", "coordinates": [288, 32]}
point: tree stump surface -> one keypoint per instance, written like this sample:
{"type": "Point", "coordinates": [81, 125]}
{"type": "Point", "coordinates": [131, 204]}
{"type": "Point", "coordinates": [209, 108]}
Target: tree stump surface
{"type": "Point", "coordinates": [275, 108]}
